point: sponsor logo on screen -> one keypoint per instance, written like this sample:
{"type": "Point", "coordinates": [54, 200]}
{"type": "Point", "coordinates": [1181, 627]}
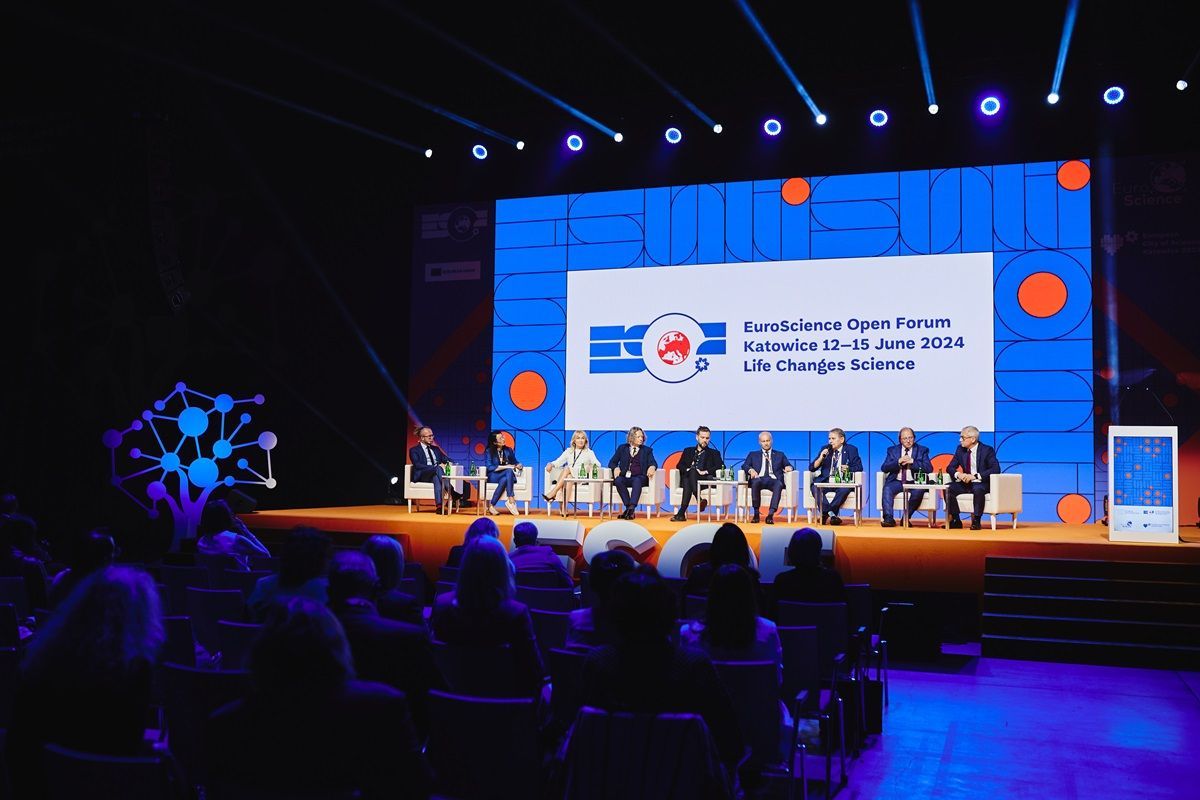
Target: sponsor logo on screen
{"type": "Point", "coordinates": [673, 348]}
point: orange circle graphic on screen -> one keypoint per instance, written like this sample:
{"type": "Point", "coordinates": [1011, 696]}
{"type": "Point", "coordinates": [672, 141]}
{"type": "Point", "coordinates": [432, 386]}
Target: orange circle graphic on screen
{"type": "Point", "coordinates": [1042, 294]}
{"type": "Point", "coordinates": [795, 191]}
{"type": "Point", "coordinates": [1074, 175]}
{"type": "Point", "coordinates": [1074, 509]}
{"type": "Point", "coordinates": [479, 448]}
{"type": "Point", "coordinates": [508, 439]}
{"type": "Point", "coordinates": [941, 461]}
{"type": "Point", "coordinates": [527, 391]}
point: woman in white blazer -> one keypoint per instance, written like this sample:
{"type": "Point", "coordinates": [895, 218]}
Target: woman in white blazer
{"type": "Point", "coordinates": [579, 454]}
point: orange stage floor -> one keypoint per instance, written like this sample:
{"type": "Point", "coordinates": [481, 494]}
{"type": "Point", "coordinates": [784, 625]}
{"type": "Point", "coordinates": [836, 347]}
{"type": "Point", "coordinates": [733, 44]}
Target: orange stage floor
{"type": "Point", "coordinates": [913, 559]}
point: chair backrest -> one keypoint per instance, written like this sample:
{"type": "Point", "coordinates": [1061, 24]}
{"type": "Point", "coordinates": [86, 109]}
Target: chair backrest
{"type": "Point", "coordinates": [448, 574]}
{"type": "Point", "coordinates": [9, 662]}
{"type": "Point", "coordinates": [695, 606]}
{"type": "Point", "coordinates": [548, 599]}
{"type": "Point", "coordinates": [478, 671]}
{"type": "Point", "coordinates": [180, 644]}
{"type": "Point", "coordinates": [192, 695]}
{"type": "Point", "coordinates": [441, 587]}
{"type": "Point", "coordinates": [216, 563]}
{"type": "Point", "coordinates": [550, 628]}
{"type": "Point", "coordinates": [236, 639]}
{"type": "Point", "coordinates": [71, 774]}
{"type": "Point", "coordinates": [207, 606]}
{"type": "Point", "coordinates": [641, 757]}
{"type": "Point", "coordinates": [239, 579]}
{"type": "Point", "coordinates": [268, 563]}
{"type": "Point", "coordinates": [484, 747]}
{"type": "Point", "coordinates": [177, 580]}
{"type": "Point", "coordinates": [801, 660]}
{"type": "Point", "coordinates": [14, 592]}
{"type": "Point", "coordinates": [831, 621]}
{"type": "Point", "coordinates": [858, 602]}
{"type": "Point", "coordinates": [10, 633]}
{"type": "Point", "coordinates": [754, 688]}
{"type": "Point", "coordinates": [566, 681]}
{"type": "Point", "coordinates": [539, 578]}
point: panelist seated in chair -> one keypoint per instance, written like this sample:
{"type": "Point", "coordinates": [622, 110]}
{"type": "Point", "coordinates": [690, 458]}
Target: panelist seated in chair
{"type": "Point", "coordinates": [765, 468]}
{"type": "Point", "coordinates": [578, 455]}
{"type": "Point", "coordinates": [902, 462]}
{"type": "Point", "coordinates": [428, 466]}
{"type": "Point", "coordinates": [696, 464]}
{"type": "Point", "coordinates": [502, 470]}
{"type": "Point", "coordinates": [633, 466]}
{"type": "Point", "coordinates": [838, 457]}
{"type": "Point", "coordinates": [973, 466]}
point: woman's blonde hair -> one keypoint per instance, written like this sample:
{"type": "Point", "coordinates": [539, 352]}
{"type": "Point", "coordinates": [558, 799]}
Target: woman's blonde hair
{"type": "Point", "coordinates": [576, 435]}
{"type": "Point", "coordinates": [633, 431]}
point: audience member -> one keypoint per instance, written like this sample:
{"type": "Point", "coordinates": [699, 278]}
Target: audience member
{"type": "Point", "coordinates": [309, 727]}
{"type": "Point", "coordinates": [732, 630]}
{"type": "Point", "coordinates": [21, 556]}
{"type": "Point", "coordinates": [303, 562]}
{"type": "Point", "coordinates": [9, 503]}
{"type": "Point", "coordinates": [223, 533]}
{"type": "Point", "coordinates": [388, 556]}
{"type": "Point", "coordinates": [95, 551]}
{"type": "Point", "coordinates": [482, 526]}
{"type": "Point", "coordinates": [591, 627]}
{"type": "Point", "coordinates": [644, 672]}
{"type": "Point", "coordinates": [481, 610]}
{"type": "Point", "coordinates": [529, 556]}
{"type": "Point", "coordinates": [85, 681]}
{"type": "Point", "coordinates": [729, 546]}
{"type": "Point", "coordinates": [807, 581]}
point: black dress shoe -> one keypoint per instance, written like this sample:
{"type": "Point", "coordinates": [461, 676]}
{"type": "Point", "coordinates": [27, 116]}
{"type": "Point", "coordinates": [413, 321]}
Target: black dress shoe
{"type": "Point", "coordinates": [975, 525]}
{"type": "Point", "coordinates": [955, 524]}
{"type": "Point", "coordinates": [824, 519]}
{"type": "Point", "coordinates": [679, 518]}
{"type": "Point", "coordinates": [631, 512]}
{"type": "Point", "coordinates": [703, 505]}
{"type": "Point", "coordinates": [834, 519]}
{"type": "Point", "coordinates": [770, 520]}
{"type": "Point", "coordinates": [754, 519]}
{"type": "Point", "coordinates": [888, 522]}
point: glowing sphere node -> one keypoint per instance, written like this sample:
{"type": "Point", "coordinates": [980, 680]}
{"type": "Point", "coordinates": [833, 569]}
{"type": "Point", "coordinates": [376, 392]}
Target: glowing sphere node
{"type": "Point", "coordinates": [1113, 95]}
{"type": "Point", "coordinates": [245, 418]}
{"type": "Point", "coordinates": [159, 405]}
{"type": "Point", "coordinates": [193, 421]}
{"type": "Point", "coordinates": [673, 135]}
{"type": "Point", "coordinates": [574, 142]}
{"type": "Point", "coordinates": [223, 403]}
{"type": "Point", "coordinates": [267, 440]}
{"type": "Point", "coordinates": [222, 449]}
{"type": "Point", "coordinates": [156, 490]}
{"type": "Point", "coordinates": [112, 439]}
{"type": "Point", "coordinates": [772, 127]}
{"type": "Point", "coordinates": [170, 462]}
{"type": "Point", "coordinates": [990, 106]}
{"type": "Point", "coordinates": [479, 151]}
{"type": "Point", "coordinates": [181, 387]}
{"type": "Point", "coordinates": [878, 118]}
{"type": "Point", "coordinates": [203, 473]}
{"type": "Point", "coordinates": [270, 483]}
{"type": "Point", "coordinates": [135, 452]}
{"type": "Point", "coordinates": [242, 463]}
{"type": "Point", "coordinates": [259, 399]}
{"type": "Point", "coordinates": [230, 480]}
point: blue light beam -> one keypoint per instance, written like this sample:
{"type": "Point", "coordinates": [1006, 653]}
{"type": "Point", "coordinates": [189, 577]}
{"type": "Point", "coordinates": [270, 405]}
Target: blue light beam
{"type": "Point", "coordinates": [787, 70]}
{"type": "Point", "coordinates": [914, 11]}
{"type": "Point", "coordinates": [1064, 45]}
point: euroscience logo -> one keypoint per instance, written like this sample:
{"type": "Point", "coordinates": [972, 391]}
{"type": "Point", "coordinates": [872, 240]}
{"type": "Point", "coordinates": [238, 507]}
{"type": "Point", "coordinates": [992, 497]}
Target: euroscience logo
{"type": "Point", "coordinates": [673, 348]}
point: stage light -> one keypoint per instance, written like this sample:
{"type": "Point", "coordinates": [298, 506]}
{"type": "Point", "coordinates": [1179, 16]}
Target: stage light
{"type": "Point", "coordinates": [574, 142]}
{"type": "Point", "coordinates": [1113, 95]}
{"type": "Point", "coordinates": [750, 16]}
{"type": "Point", "coordinates": [718, 127]}
{"type": "Point", "coordinates": [1052, 98]}
{"type": "Point", "coordinates": [933, 108]}
{"type": "Point", "coordinates": [878, 118]}
{"type": "Point", "coordinates": [429, 152]}
{"type": "Point", "coordinates": [673, 135]}
{"type": "Point", "coordinates": [822, 119]}
{"type": "Point", "coordinates": [520, 145]}
{"type": "Point", "coordinates": [772, 127]}
{"type": "Point", "coordinates": [1181, 84]}
{"type": "Point", "coordinates": [395, 479]}
{"type": "Point", "coordinates": [1064, 47]}
{"type": "Point", "coordinates": [618, 137]}
{"type": "Point", "coordinates": [914, 10]}
{"type": "Point", "coordinates": [479, 151]}
{"type": "Point", "coordinates": [990, 106]}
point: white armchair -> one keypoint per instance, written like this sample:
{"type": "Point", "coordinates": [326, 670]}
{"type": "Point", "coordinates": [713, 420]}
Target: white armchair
{"type": "Point", "coordinates": [928, 502]}
{"type": "Point", "coordinates": [419, 491]}
{"type": "Point", "coordinates": [1003, 497]}
{"type": "Point", "coordinates": [651, 495]}
{"type": "Point", "coordinates": [590, 493]}
{"type": "Point", "coordinates": [810, 501]}
{"type": "Point", "coordinates": [715, 495]}
{"type": "Point", "coordinates": [522, 492]}
{"type": "Point", "coordinates": [788, 501]}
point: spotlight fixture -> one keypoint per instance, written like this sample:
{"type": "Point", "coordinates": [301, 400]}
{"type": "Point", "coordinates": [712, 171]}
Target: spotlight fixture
{"type": "Point", "coordinates": [395, 480]}
{"type": "Point", "coordinates": [772, 127]}
{"type": "Point", "coordinates": [1113, 95]}
{"type": "Point", "coordinates": [673, 135]}
{"type": "Point", "coordinates": [1181, 84]}
{"type": "Point", "coordinates": [429, 153]}
{"type": "Point", "coordinates": [618, 137]}
{"type": "Point", "coordinates": [719, 127]}
{"type": "Point", "coordinates": [933, 108]}
{"type": "Point", "coordinates": [1052, 98]}
{"type": "Point", "coordinates": [990, 106]}
{"type": "Point", "coordinates": [479, 151]}
{"type": "Point", "coordinates": [520, 145]}
{"type": "Point", "coordinates": [822, 119]}
{"type": "Point", "coordinates": [574, 142]}
{"type": "Point", "coordinates": [878, 118]}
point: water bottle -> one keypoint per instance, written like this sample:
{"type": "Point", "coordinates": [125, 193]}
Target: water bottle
{"type": "Point", "coordinates": [595, 470]}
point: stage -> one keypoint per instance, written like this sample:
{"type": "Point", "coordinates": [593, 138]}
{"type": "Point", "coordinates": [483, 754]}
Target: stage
{"type": "Point", "coordinates": [912, 559]}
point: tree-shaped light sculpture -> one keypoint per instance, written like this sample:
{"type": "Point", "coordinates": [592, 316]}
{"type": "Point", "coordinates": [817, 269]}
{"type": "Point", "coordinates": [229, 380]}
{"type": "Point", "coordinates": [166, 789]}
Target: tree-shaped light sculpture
{"type": "Point", "coordinates": [193, 460]}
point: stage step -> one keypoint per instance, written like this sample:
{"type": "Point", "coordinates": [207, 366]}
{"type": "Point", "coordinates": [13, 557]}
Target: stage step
{"type": "Point", "coordinates": [1128, 613]}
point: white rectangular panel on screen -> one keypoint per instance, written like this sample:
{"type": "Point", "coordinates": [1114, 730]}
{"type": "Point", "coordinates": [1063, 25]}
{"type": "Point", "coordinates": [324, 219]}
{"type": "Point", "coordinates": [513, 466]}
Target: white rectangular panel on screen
{"type": "Point", "coordinates": [858, 343]}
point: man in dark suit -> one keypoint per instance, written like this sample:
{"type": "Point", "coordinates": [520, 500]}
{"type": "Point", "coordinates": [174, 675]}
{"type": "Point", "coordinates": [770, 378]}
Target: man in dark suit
{"type": "Point", "coordinates": [528, 556]}
{"type": "Point", "coordinates": [837, 457]}
{"type": "Point", "coordinates": [696, 463]}
{"type": "Point", "coordinates": [765, 468]}
{"type": "Point", "coordinates": [385, 650]}
{"type": "Point", "coordinates": [633, 466]}
{"type": "Point", "coordinates": [427, 461]}
{"type": "Point", "coordinates": [900, 464]}
{"type": "Point", "coordinates": [973, 466]}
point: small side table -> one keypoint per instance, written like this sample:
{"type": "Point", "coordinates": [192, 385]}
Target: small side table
{"type": "Point", "coordinates": [573, 490]}
{"type": "Point", "coordinates": [714, 483]}
{"type": "Point", "coordinates": [939, 491]}
{"type": "Point", "coordinates": [856, 488]}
